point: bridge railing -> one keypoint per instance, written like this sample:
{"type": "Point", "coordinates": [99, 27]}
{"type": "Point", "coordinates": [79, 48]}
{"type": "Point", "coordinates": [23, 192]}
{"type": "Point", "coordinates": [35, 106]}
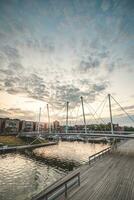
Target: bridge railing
{"type": "Point", "coordinates": [59, 187]}
{"type": "Point", "coordinates": [98, 155]}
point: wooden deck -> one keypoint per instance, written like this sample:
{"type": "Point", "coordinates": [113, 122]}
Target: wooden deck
{"type": "Point", "coordinates": [111, 178]}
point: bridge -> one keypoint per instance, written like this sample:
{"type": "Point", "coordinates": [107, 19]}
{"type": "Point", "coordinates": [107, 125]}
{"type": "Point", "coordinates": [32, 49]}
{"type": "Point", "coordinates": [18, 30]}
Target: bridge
{"type": "Point", "coordinates": [125, 135]}
{"type": "Point", "coordinates": [84, 132]}
{"type": "Point", "coordinates": [107, 134]}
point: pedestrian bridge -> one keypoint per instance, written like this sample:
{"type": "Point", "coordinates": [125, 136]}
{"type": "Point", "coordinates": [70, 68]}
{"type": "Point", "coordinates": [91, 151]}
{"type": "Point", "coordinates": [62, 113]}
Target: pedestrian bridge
{"type": "Point", "coordinates": [123, 135]}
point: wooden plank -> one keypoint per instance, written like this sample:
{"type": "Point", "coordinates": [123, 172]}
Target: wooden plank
{"type": "Point", "coordinates": [111, 178]}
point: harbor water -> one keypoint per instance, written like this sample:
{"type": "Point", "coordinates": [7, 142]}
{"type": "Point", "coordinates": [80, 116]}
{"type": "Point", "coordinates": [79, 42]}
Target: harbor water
{"type": "Point", "coordinates": [25, 175]}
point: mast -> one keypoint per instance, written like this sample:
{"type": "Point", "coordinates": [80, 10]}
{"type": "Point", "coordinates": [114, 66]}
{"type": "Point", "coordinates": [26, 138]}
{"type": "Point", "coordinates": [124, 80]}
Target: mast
{"type": "Point", "coordinates": [67, 118]}
{"type": "Point", "coordinates": [110, 111]}
{"type": "Point", "coordinates": [83, 115]}
{"type": "Point", "coordinates": [49, 125]}
{"type": "Point", "coordinates": [39, 121]}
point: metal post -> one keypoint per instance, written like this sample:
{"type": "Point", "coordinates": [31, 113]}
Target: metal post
{"type": "Point", "coordinates": [39, 121]}
{"type": "Point", "coordinates": [110, 110]}
{"type": "Point", "coordinates": [49, 125]}
{"type": "Point", "coordinates": [79, 179]}
{"type": "Point", "coordinates": [65, 190]}
{"type": "Point", "coordinates": [67, 118]}
{"type": "Point", "coordinates": [84, 115]}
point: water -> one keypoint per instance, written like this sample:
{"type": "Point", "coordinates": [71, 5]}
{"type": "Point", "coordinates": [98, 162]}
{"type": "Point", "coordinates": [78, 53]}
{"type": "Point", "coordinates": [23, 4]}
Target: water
{"type": "Point", "coordinates": [25, 175]}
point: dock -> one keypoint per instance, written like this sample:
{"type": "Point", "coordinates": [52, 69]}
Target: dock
{"type": "Point", "coordinates": [24, 147]}
{"type": "Point", "coordinates": [111, 178]}
{"type": "Point", "coordinates": [108, 177]}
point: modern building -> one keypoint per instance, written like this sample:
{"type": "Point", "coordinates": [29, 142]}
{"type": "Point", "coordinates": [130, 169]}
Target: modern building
{"type": "Point", "coordinates": [27, 126]}
{"type": "Point", "coordinates": [56, 126]}
{"type": "Point", "coordinates": [2, 125]}
{"type": "Point", "coordinates": [46, 126]}
{"type": "Point", "coordinates": [11, 126]}
{"type": "Point", "coordinates": [41, 126]}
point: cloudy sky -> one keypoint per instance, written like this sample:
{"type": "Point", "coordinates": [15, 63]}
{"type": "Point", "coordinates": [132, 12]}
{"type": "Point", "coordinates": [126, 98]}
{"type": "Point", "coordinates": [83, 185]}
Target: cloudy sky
{"type": "Point", "coordinates": [53, 51]}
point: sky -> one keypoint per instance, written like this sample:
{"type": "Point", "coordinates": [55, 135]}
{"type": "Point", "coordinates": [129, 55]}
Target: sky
{"type": "Point", "coordinates": [54, 51]}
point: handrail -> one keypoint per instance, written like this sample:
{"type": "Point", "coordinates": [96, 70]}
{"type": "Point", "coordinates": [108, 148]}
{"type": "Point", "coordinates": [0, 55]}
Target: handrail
{"type": "Point", "coordinates": [58, 185]}
{"type": "Point", "coordinates": [99, 154]}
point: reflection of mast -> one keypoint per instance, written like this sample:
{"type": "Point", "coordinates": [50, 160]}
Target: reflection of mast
{"type": "Point", "coordinates": [110, 110]}
{"type": "Point", "coordinates": [39, 121]}
{"type": "Point", "coordinates": [67, 118]}
{"type": "Point", "coordinates": [84, 115]}
{"type": "Point", "coordinates": [49, 125]}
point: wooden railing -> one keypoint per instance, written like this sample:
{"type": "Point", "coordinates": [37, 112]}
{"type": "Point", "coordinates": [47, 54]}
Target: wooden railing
{"type": "Point", "coordinates": [60, 187]}
{"type": "Point", "coordinates": [98, 155]}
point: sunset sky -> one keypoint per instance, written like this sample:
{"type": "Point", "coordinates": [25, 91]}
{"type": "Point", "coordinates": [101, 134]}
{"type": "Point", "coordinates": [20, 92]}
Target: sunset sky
{"type": "Point", "coordinates": [53, 51]}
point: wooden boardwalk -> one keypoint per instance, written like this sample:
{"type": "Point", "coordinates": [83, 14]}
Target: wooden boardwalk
{"type": "Point", "coordinates": [108, 178]}
{"type": "Point", "coordinates": [111, 178]}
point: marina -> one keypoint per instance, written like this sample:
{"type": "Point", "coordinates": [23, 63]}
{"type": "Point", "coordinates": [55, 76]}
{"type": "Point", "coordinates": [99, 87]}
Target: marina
{"type": "Point", "coordinates": [31, 172]}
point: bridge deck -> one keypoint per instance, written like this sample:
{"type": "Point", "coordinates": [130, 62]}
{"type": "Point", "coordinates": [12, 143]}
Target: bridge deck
{"type": "Point", "coordinates": [110, 178]}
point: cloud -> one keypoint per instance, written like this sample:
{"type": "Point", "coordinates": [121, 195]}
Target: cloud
{"type": "Point", "coordinates": [17, 113]}
{"type": "Point", "coordinates": [98, 55]}
{"type": "Point", "coordinates": [15, 80]}
{"type": "Point", "coordinates": [41, 45]}
{"type": "Point", "coordinates": [73, 93]}
{"type": "Point", "coordinates": [100, 87]}
{"type": "Point", "coordinates": [12, 53]}
{"type": "Point", "coordinates": [127, 108]}
{"type": "Point", "coordinates": [22, 114]}
{"type": "Point", "coordinates": [90, 63]}
{"type": "Point", "coordinates": [105, 5]}
{"type": "Point", "coordinates": [4, 113]}
{"type": "Point", "coordinates": [44, 44]}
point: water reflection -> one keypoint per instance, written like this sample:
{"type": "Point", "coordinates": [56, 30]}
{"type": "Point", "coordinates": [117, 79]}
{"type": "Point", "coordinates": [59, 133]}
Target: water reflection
{"type": "Point", "coordinates": [69, 152]}
{"type": "Point", "coordinates": [24, 175]}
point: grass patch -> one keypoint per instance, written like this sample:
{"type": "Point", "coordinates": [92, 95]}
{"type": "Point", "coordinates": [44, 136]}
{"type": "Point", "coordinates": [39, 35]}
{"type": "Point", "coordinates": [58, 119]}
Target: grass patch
{"type": "Point", "coordinates": [11, 140]}
{"type": "Point", "coordinates": [17, 141]}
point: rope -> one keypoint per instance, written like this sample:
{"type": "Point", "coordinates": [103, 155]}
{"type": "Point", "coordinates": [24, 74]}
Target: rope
{"type": "Point", "coordinates": [77, 114]}
{"type": "Point", "coordinates": [102, 108]}
{"type": "Point", "coordinates": [95, 113]}
{"type": "Point", "coordinates": [123, 109]}
{"type": "Point", "coordinates": [100, 105]}
{"type": "Point", "coordinates": [97, 120]}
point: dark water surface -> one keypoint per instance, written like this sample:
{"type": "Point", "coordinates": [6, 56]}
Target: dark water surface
{"type": "Point", "coordinates": [24, 175]}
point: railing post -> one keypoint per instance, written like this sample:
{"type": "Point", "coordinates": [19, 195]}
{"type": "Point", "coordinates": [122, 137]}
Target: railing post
{"type": "Point", "coordinates": [89, 160]}
{"type": "Point", "coordinates": [79, 179]}
{"type": "Point", "coordinates": [65, 190]}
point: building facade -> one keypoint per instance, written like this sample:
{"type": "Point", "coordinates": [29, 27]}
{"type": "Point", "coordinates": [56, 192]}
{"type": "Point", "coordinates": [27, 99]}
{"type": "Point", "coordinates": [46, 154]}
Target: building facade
{"type": "Point", "coordinates": [11, 126]}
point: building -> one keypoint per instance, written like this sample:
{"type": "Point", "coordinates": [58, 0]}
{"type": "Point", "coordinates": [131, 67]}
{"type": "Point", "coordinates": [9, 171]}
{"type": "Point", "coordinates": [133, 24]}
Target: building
{"type": "Point", "coordinates": [2, 125]}
{"type": "Point", "coordinates": [46, 126]}
{"type": "Point", "coordinates": [11, 126]}
{"type": "Point", "coordinates": [41, 126]}
{"type": "Point", "coordinates": [56, 125]}
{"type": "Point", "coordinates": [27, 126]}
